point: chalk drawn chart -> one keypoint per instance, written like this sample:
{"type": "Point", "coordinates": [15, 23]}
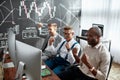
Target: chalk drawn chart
{"type": "Point", "coordinates": [23, 14]}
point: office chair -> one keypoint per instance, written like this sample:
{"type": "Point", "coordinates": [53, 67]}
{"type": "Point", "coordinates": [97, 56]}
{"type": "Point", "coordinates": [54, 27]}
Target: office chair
{"type": "Point", "coordinates": [111, 57]}
{"type": "Point", "coordinates": [111, 60]}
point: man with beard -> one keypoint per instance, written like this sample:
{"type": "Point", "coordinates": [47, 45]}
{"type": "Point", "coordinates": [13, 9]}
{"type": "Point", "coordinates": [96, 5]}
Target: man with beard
{"type": "Point", "coordinates": [93, 62]}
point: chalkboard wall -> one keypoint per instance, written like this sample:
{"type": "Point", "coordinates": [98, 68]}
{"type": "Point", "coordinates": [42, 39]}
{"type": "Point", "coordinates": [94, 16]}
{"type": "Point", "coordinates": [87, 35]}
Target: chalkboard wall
{"type": "Point", "coordinates": [24, 15]}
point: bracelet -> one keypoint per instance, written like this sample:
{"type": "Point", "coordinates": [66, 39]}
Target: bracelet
{"type": "Point", "coordinates": [92, 69]}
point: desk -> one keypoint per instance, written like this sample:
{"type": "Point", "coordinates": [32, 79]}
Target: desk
{"type": "Point", "coordinates": [9, 73]}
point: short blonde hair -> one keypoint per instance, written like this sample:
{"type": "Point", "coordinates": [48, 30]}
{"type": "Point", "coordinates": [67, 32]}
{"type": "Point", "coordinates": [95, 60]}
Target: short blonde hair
{"type": "Point", "coordinates": [68, 28]}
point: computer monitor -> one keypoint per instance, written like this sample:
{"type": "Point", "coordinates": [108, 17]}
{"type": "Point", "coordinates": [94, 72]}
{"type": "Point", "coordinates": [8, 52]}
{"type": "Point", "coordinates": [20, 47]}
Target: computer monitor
{"type": "Point", "coordinates": [84, 32]}
{"type": "Point", "coordinates": [31, 57]}
{"type": "Point", "coordinates": [11, 46]}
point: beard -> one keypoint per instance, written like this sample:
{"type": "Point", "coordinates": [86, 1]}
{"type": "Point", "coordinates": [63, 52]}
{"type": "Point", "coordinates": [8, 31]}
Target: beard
{"type": "Point", "coordinates": [92, 42]}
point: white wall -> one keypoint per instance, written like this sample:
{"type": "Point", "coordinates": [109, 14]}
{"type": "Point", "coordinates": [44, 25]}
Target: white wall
{"type": "Point", "coordinates": [106, 12]}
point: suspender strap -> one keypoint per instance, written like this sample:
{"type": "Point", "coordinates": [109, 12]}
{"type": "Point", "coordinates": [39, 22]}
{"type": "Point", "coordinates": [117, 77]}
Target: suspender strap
{"type": "Point", "coordinates": [58, 51]}
{"type": "Point", "coordinates": [74, 45]}
{"type": "Point", "coordinates": [71, 49]}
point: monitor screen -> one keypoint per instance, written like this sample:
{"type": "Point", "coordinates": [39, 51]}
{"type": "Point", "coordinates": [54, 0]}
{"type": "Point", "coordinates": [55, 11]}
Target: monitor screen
{"type": "Point", "coordinates": [31, 57]}
{"type": "Point", "coordinates": [11, 46]}
{"type": "Point", "coordinates": [84, 32]}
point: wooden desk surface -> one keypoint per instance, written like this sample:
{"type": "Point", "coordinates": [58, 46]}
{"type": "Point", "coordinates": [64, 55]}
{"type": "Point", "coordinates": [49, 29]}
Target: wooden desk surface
{"type": "Point", "coordinates": [9, 73]}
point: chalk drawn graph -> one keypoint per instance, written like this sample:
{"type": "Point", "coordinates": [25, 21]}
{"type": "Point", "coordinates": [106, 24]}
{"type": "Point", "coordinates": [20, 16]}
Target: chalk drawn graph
{"type": "Point", "coordinates": [38, 11]}
{"type": "Point", "coordinates": [23, 7]}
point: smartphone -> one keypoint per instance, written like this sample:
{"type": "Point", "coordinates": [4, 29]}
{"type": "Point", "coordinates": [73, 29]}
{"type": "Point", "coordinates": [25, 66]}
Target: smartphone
{"type": "Point", "coordinates": [45, 72]}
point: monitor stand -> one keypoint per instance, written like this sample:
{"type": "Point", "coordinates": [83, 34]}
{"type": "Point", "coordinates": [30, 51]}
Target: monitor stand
{"type": "Point", "coordinates": [20, 70]}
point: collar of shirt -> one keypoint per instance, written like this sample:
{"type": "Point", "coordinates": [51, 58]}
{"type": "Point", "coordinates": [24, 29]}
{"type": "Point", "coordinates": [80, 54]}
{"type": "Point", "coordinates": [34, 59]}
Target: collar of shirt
{"type": "Point", "coordinates": [71, 41]}
{"type": "Point", "coordinates": [97, 46]}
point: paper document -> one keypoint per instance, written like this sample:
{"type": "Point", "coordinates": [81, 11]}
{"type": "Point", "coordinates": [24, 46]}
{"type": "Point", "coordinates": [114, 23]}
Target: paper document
{"type": "Point", "coordinates": [43, 66]}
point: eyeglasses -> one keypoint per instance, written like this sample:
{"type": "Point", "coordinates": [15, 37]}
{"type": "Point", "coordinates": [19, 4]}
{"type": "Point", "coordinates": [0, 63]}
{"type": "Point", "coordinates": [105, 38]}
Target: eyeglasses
{"type": "Point", "coordinates": [67, 33]}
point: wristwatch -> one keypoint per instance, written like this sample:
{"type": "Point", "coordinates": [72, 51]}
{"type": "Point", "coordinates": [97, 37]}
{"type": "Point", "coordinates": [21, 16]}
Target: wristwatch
{"type": "Point", "coordinates": [68, 49]}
